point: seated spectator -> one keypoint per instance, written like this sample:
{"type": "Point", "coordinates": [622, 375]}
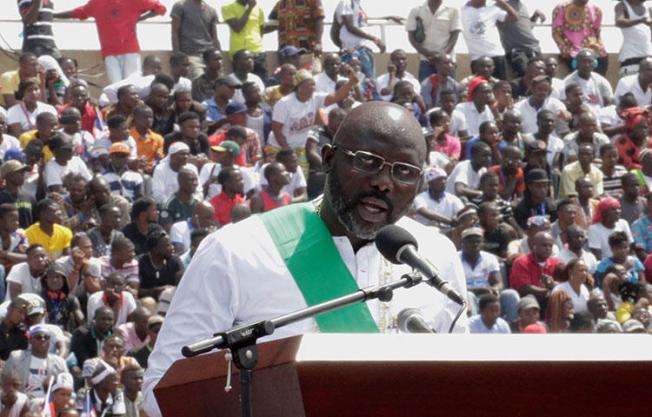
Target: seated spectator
{"type": "Point", "coordinates": [122, 261]}
{"type": "Point", "coordinates": [545, 131]}
{"type": "Point", "coordinates": [489, 320]}
{"type": "Point", "coordinates": [180, 205]}
{"type": "Point", "coordinates": [243, 66]}
{"type": "Point", "coordinates": [62, 391]}
{"type": "Point", "coordinates": [631, 202]}
{"type": "Point", "coordinates": [587, 133]}
{"type": "Point", "coordinates": [13, 336]}
{"type": "Point", "coordinates": [559, 312]}
{"type": "Point", "coordinates": [489, 134]}
{"type": "Point", "coordinates": [607, 219]}
{"type": "Point", "coordinates": [238, 213]}
{"type": "Point", "coordinates": [159, 101]}
{"type": "Point", "coordinates": [597, 91]}
{"type": "Point", "coordinates": [149, 144]}
{"type": "Point", "coordinates": [458, 126]}
{"type": "Point", "coordinates": [534, 67]}
{"type": "Point", "coordinates": [511, 134]}
{"type": "Point", "coordinates": [259, 114]}
{"type": "Point", "coordinates": [511, 183]}
{"type": "Point", "coordinates": [104, 235]}
{"type": "Point", "coordinates": [132, 380]}
{"type": "Point", "coordinates": [114, 296]}
{"type": "Point", "coordinates": [83, 271]}
{"type": "Point", "coordinates": [396, 71]}
{"type": "Point", "coordinates": [113, 353]}
{"type": "Point", "coordinates": [435, 206]}
{"type": "Point", "coordinates": [497, 234]}
{"type": "Point", "coordinates": [489, 185]}
{"type": "Point", "coordinates": [154, 324]}
{"type": "Point", "coordinates": [535, 200]}
{"type": "Point", "coordinates": [28, 69]}
{"type": "Point", "coordinates": [203, 86]}
{"type": "Point", "coordinates": [296, 186]}
{"type": "Point", "coordinates": [118, 133]}
{"type": "Point", "coordinates": [189, 133]}
{"type": "Point", "coordinates": [34, 364]}
{"type": "Point", "coordinates": [128, 99]}
{"type": "Point", "coordinates": [583, 167]}
{"type": "Point", "coordinates": [16, 403]}
{"type": "Point", "coordinates": [528, 315]}
{"type": "Point", "coordinates": [535, 224]}
{"type": "Point", "coordinates": [574, 280]}
{"type": "Point", "coordinates": [540, 100]}
{"type": "Point", "coordinates": [403, 95]}
{"type": "Point", "coordinates": [611, 120]}
{"type": "Point", "coordinates": [532, 274]}
{"type": "Point", "coordinates": [82, 140]}
{"type": "Point", "coordinates": [612, 171]}
{"type": "Point", "coordinates": [441, 80]}
{"type": "Point", "coordinates": [21, 117]}
{"type": "Point", "coordinates": [481, 268]}
{"type": "Point", "coordinates": [99, 192]}
{"type": "Point", "coordinates": [566, 214]}
{"type": "Point", "coordinates": [619, 245]}
{"type": "Point", "coordinates": [477, 109]}
{"type": "Point", "coordinates": [273, 195]}
{"type": "Point", "coordinates": [122, 180]}
{"type": "Point", "coordinates": [642, 229]}
{"type": "Point", "coordinates": [598, 307]}
{"type": "Point", "coordinates": [216, 105]}
{"type": "Point", "coordinates": [86, 341]}
{"type": "Point", "coordinates": [465, 178]}
{"type": "Point", "coordinates": [44, 130]}
{"type": "Point", "coordinates": [443, 142]}
{"type": "Point", "coordinates": [636, 137]}
{"type": "Point", "coordinates": [63, 308]}
{"type": "Point", "coordinates": [144, 219]}
{"type": "Point", "coordinates": [26, 277]}
{"type": "Point", "coordinates": [586, 204]}
{"type": "Point", "coordinates": [62, 165]}
{"type": "Point", "coordinates": [134, 333]}
{"type": "Point", "coordinates": [502, 91]}
{"type": "Point", "coordinates": [165, 179]}
{"type": "Point", "coordinates": [575, 242]}
{"type": "Point", "coordinates": [326, 80]}
{"type": "Point", "coordinates": [54, 238]}
{"type": "Point", "coordinates": [286, 77]}
{"type": "Point", "coordinates": [6, 141]}
{"type": "Point", "coordinates": [80, 100]}
{"type": "Point", "coordinates": [13, 242]}
{"type": "Point", "coordinates": [103, 394]}
{"type": "Point", "coordinates": [159, 268]}
{"type": "Point", "coordinates": [203, 217]}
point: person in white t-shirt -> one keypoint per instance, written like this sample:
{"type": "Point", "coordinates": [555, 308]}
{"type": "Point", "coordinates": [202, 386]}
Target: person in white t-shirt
{"type": "Point", "coordinates": [539, 100]}
{"type": "Point", "coordinates": [6, 141]}
{"type": "Point", "coordinates": [576, 274]}
{"type": "Point", "coordinates": [21, 117]}
{"type": "Point", "coordinates": [203, 217]}
{"type": "Point", "coordinates": [596, 89]}
{"type": "Point", "coordinates": [488, 320]}
{"type": "Point", "coordinates": [325, 81]}
{"type": "Point", "coordinates": [26, 277]}
{"type": "Point", "coordinates": [294, 115]}
{"type": "Point", "coordinates": [243, 66]}
{"type": "Point", "coordinates": [396, 71]}
{"type": "Point", "coordinates": [545, 132]}
{"type": "Point", "coordinates": [114, 296]}
{"type": "Point", "coordinates": [607, 220]}
{"type": "Point", "coordinates": [480, 30]}
{"type": "Point", "coordinates": [63, 164]}
{"type": "Point", "coordinates": [637, 84]}
{"type": "Point", "coordinates": [477, 109]}
{"type": "Point", "coordinates": [465, 178]}
{"type": "Point", "coordinates": [435, 206]}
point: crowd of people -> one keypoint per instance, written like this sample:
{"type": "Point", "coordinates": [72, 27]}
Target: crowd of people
{"type": "Point", "coordinates": [543, 184]}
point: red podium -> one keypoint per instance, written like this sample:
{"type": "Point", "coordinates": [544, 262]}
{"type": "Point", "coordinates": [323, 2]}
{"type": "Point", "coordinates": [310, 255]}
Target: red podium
{"type": "Point", "coordinates": [329, 375]}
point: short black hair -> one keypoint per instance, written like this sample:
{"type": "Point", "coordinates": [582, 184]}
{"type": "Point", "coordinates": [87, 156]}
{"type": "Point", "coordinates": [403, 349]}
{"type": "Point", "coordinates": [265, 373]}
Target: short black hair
{"type": "Point", "coordinates": [485, 300]}
{"type": "Point", "coordinates": [484, 126]}
{"type": "Point", "coordinates": [164, 79]}
{"type": "Point", "coordinates": [225, 174]}
{"type": "Point", "coordinates": [236, 132]}
{"type": "Point", "coordinates": [563, 202]}
{"type": "Point", "coordinates": [284, 154]}
{"type": "Point", "coordinates": [116, 121]}
{"type": "Point", "coordinates": [140, 206]}
{"type": "Point", "coordinates": [42, 205]}
{"type": "Point", "coordinates": [33, 247]}
{"type": "Point", "coordinates": [617, 239]}
{"type": "Point", "coordinates": [630, 176]}
{"type": "Point", "coordinates": [177, 58]}
{"type": "Point", "coordinates": [207, 54]}
{"type": "Point", "coordinates": [187, 115]}
{"type": "Point", "coordinates": [122, 91]}
{"type": "Point", "coordinates": [606, 148]}
{"type": "Point", "coordinates": [571, 87]}
{"type": "Point", "coordinates": [153, 238]}
{"type": "Point", "coordinates": [120, 242]}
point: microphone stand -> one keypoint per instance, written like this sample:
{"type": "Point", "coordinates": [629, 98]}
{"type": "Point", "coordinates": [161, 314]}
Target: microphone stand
{"type": "Point", "coordinates": [241, 340]}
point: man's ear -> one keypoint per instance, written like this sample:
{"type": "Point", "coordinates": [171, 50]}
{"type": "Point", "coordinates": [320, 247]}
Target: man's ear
{"type": "Point", "coordinates": [327, 155]}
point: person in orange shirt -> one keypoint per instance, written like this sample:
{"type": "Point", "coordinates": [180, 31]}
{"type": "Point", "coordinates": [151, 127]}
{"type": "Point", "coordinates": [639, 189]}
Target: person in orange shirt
{"type": "Point", "coordinates": [148, 143]}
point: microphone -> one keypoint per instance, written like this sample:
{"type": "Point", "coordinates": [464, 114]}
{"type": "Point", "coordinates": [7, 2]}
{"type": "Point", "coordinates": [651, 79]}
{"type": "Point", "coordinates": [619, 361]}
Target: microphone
{"type": "Point", "coordinates": [400, 247]}
{"type": "Point", "coordinates": [410, 320]}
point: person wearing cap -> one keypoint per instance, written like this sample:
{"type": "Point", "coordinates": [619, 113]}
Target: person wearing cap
{"type": "Point", "coordinates": [12, 330]}
{"type": "Point", "coordinates": [121, 179]}
{"type": "Point", "coordinates": [63, 164]}
{"type": "Point", "coordinates": [583, 167]}
{"type": "Point", "coordinates": [154, 324]}
{"type": "Point", "coordinates": [13, 172]}
{"type": "Point", "coordinates": [34, 364]}
{"type": "Point", "coordinates": [250, 145]}
{"type": "Point", "coordinates": [528, 315]}
{"type": "Point", "coordinates": [61, 306]}
{"type": "Point", "coordinates": [481, 269]}
{"type": "Point", "coordinates": [245, 69]}
{"type": "Point", "coordinates": [435, 206]}
{"type": "Point", "coordinates": [607, 219]}
{"type": "Point", "coordinates": [539, 100]}
{"type": "Point", "coordinates": [533, 273]}
{"type": "Point", "coordinates": [295, 114]}
{"type": "Point", "coordinates": [535, 198]}
{"type": "Point", "coordinates": [149, 144]}
{"type": "Point", "coordinates": [194, 31]}
{"type": "Point", "coordinates": [62, 390]}
{"type": "Point", "coordinates": [326, 80]}
{"type": "Point", "coordinates": [165, 180]}
{"type": "Point", "coordinates": [286, 55]}
{"type": "Point", "coordinates": [465, 178]}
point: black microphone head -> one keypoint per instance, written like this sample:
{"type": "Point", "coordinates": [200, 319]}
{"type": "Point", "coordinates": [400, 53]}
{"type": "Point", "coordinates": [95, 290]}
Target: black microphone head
{"type": "Point", "coordinates": [391, 239]}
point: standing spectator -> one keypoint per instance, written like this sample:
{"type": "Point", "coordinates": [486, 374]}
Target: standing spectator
{"type": "Point", "coordinates": [488, 320]}
{"type": "Point", "coordinates": [144, 219]}
{"type": "Point", "coordinates": [48, 232]}
{"type": "Point", "coordinates": [194, 31]}
{"type": "Point", "coordinates": [246, 21]}
{"type": "Point", "coordinates": [38, 37]}
{"type": "Point", "coordinates": [244, 71]}
{"type": "Point", "coordinates": [532, 274]}
{"type": "Point", "coordinates": [517, 37]}
{"type": "Point", "coordinates": [480, 30]}
{"type": "Point", "coordinates": [396, 71]}
{"type": "Point", "coordinates": [596, 90]}
{"type": "Point", "coordinates": [28, 69]}
{"type": "Point", "coordinates": [576, 25]}
{"type": "Point", "coordinates": [116, 27]}
{"type": "Point", "coordinates": [433, 29]}
{"type": "Point", "coordinates": [633, 18]}
{"type": "Point", "coordinates": [638, 83]}
{"type": "Point", "coordinates": [576, 240]}
{"type": "Point", "coordinates": [103, 235]}
{"type": "Point", "coordinates": [355, 42]}
{"type": "Point", "coordinates": [115, 297]}
{"type": "Point", "coordinates": [435, 206]}
{"type": "Point", "coordinates": [203, 86]}
{"type": "Point", "coordinates": [299, 23]}
{"type": "Point", "coordinates": [159, 268]}
{"type": "Point", "coordinates": [583, 167]}
{"type": "Point", "coordinates": [631, 202]}
{"type": "Point", "coordinates": [607, 220]}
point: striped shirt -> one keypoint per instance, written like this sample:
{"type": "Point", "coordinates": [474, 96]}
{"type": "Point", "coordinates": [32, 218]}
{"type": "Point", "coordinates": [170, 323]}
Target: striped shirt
{"type": "Point", "coordinates": [129, 184]}
{"type": "Point", "coordinates": [612, 185]}
{"type": "Point", "coordinates": [38, 36]}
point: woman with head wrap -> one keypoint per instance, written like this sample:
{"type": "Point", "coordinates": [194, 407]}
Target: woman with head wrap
{"type": "Point", "coordinates": [606, 220]}
{"type": "Point", "coordinates": [103, 396]}
{"type": "Point", "coordinates": [635, 138]}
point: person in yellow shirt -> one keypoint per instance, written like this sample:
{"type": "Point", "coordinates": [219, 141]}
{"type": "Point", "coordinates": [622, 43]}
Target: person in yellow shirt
{"type": "Point", "coordinates": [54, 238]}
{"type": "Point", "coordinates": [46, 128]}
{"type": "Point", "coordinates": [149, 144]}
{"type": "Point", "coordinates": [10, 80]}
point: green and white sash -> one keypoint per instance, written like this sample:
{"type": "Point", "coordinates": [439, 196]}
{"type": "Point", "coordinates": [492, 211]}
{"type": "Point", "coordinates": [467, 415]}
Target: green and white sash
{"type": "Point", "coordinates": [306, 245]}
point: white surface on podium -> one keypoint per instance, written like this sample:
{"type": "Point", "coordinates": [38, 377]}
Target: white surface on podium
{"type": "Point", "coordinates": [468, 347]}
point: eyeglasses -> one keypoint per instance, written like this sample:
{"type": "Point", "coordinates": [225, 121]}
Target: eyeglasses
{"type": "Point", "coordinates": [370, 163]}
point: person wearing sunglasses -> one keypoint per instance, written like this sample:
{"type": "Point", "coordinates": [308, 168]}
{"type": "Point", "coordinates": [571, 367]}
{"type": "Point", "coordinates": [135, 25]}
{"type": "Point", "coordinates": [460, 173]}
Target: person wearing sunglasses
{"type": "Point", "coordinates": [35, 365]}
{"type": "Point", "coordinates": [241, 273]}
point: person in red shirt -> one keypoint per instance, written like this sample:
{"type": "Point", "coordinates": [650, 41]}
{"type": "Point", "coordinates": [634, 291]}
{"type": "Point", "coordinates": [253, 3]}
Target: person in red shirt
{"type": "Point", "coordinates": [511, 183]}
{"type": "Point", "coordinates": [80, 99]}
{"type": "Point", "coordinates": [274, 195]}
{"type": "Point", "coordinates": [116, 26]}
{"type": "Point", "coordinates": [533, 273]}
{"type": "Point", "coordinates": [232, 194]}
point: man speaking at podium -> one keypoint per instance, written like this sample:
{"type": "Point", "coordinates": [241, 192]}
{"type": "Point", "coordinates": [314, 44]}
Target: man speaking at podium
{"type": "Point", "coordinates": [304, 254]}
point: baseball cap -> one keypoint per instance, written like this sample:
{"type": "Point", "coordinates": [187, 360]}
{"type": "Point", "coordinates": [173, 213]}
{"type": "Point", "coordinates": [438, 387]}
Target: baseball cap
{"type": "Point", "coordinates": [472, 231]}
{"type": "Point", "coordinates": [15, 154]}
{"type": "Point", "coordinates": [235, 107]}
{"type": "Point", "coordinates": [290, 51]}
{"type": "Point", "coordinates": [98, 150]}
{"type": "Point", "coordinates": [527, 302]}
{"type": "Point", "coordinates": [36, 305]}
{"type": "Point", "coordinates": [58, 269]}
{"type": "Point", "coordinates": [227, 146]}
{"type": "Point", "coordinates": [37, 329]}
{"type": "Point", "coordinates": [177, 147]}
{"type": "Point", "coordinates": [633, 326]}
{"type": "Point", "coordinates": [432, 174]}
{"type": "Point", "coordinates": [536, 175]}
{"type": "Point", "coordinates": [228, 81]}
{"type": "Point", "coordinates": [537, 146]}
{"type": "Point", "coordinates": [119, 148]}
{"type": "Point", "coordinates": [12, 166]}
{"type": "Point", "coordinates": [154, 320]}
